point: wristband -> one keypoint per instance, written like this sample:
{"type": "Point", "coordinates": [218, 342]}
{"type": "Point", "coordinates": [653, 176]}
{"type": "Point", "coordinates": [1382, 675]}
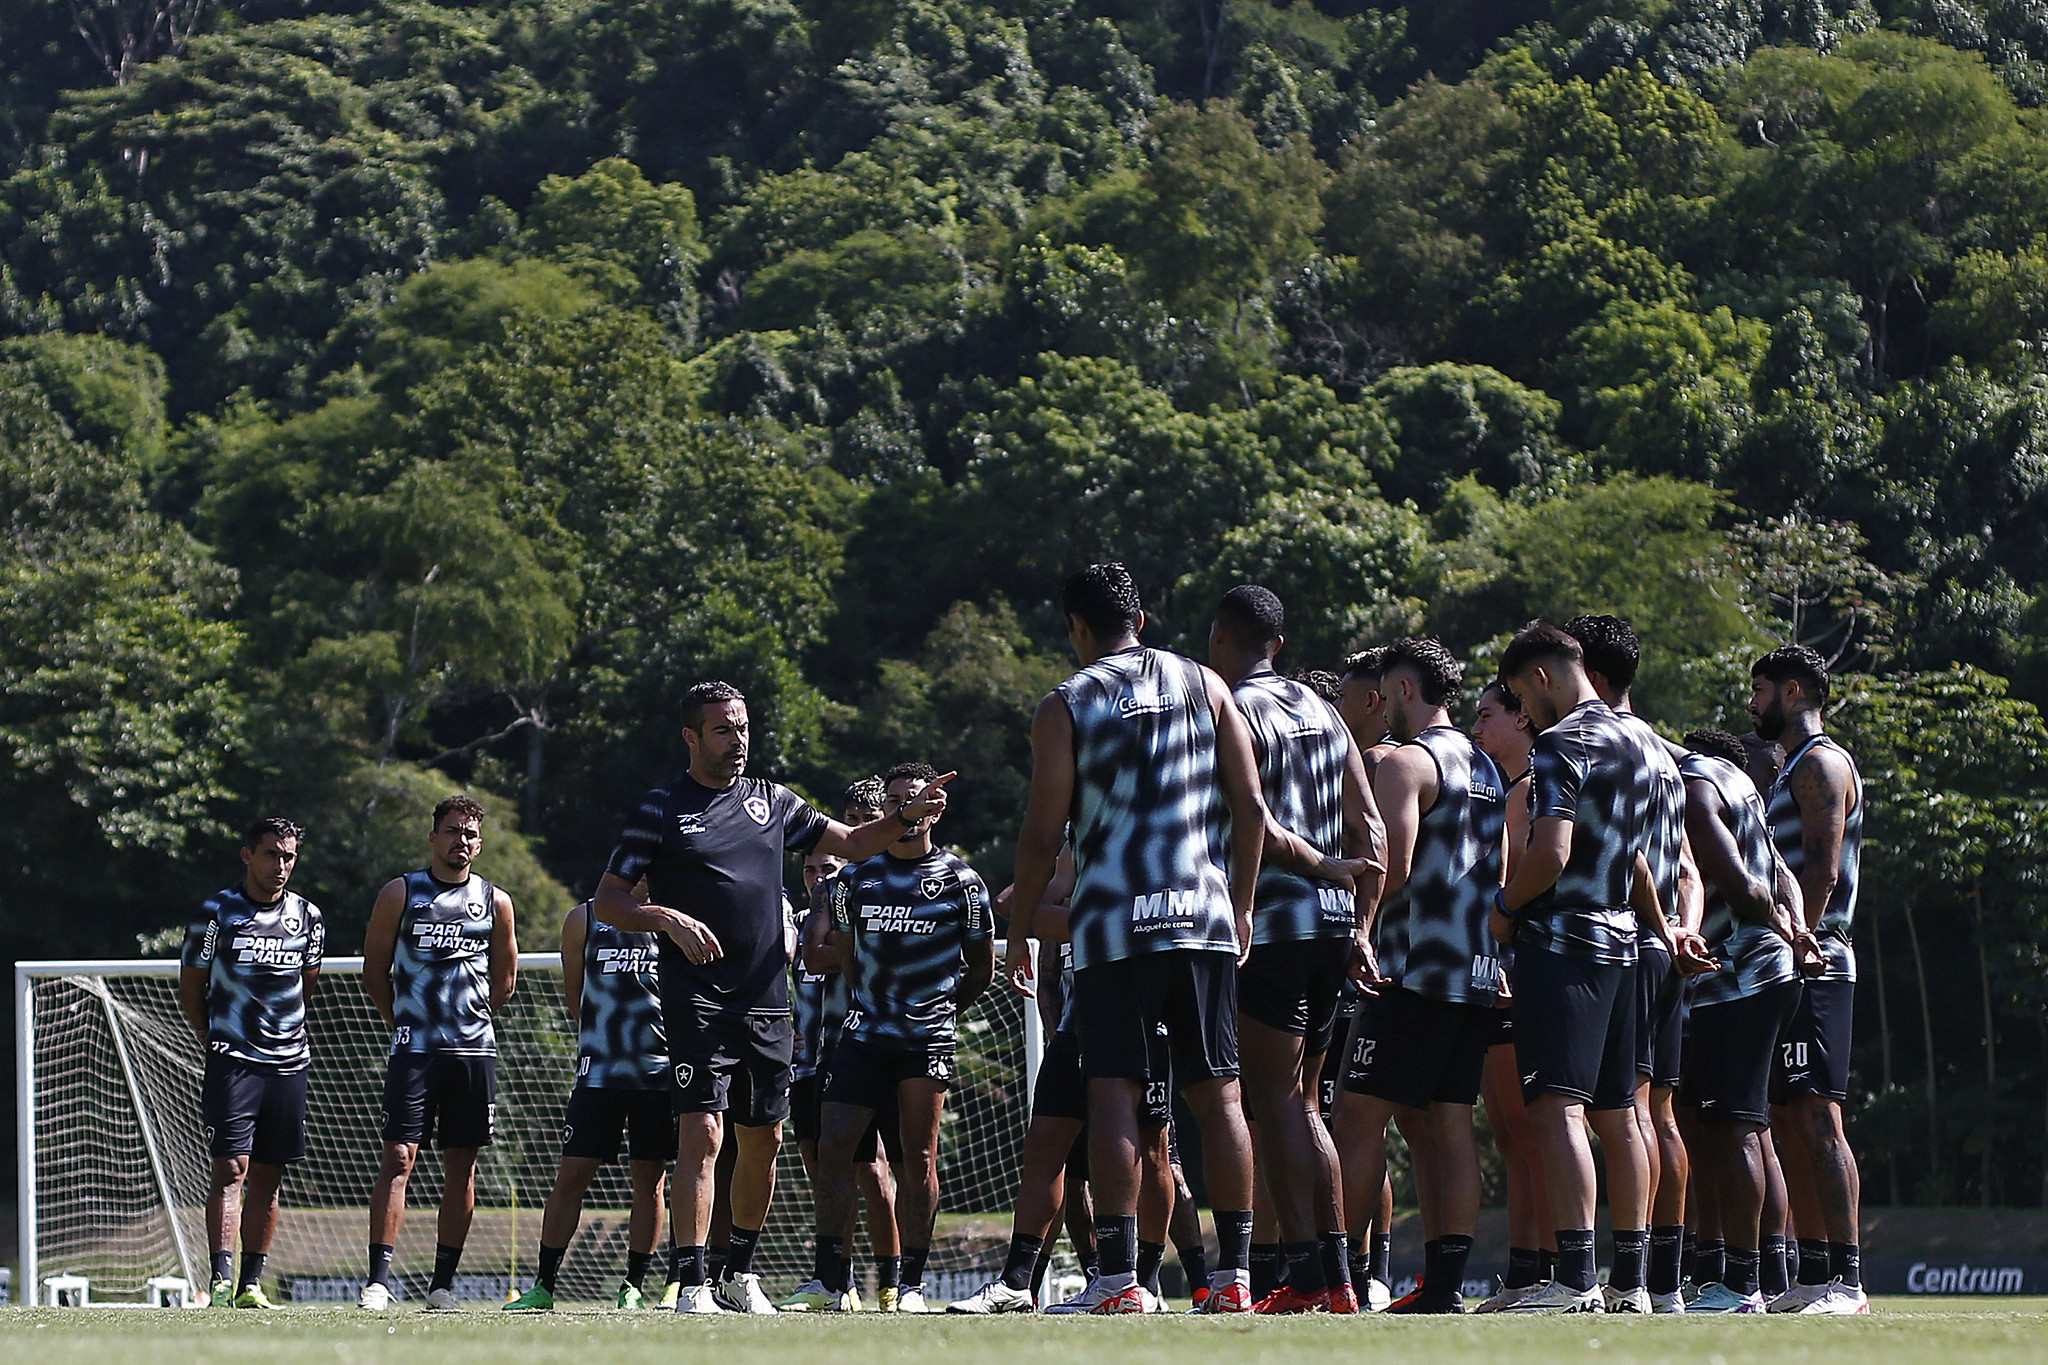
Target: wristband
{"type": "Point", "coordinates": [1500, 903]}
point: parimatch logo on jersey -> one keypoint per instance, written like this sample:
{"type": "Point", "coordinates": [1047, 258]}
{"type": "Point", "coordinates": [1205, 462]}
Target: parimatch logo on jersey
{"type": "Point", "coordinates": [267, 952]}
{"type": "Point", "coordinates": [896, 919]}
{"type": "Point", "coordinates": [436, 937]}
{"type": "Point", "coordinates": [637, 961]}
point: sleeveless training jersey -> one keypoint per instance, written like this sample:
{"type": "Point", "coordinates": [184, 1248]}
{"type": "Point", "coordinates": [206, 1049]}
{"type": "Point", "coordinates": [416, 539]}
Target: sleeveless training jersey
{"type": "Point", "coordinates": [1787, 830]}
{"type": "Point", "coordinates": [621, 1044]}
{"type": "Point", "coordinates": [1149, 821]}
{"type": "Point", "coordinates": [255, 958]}
{"type": "Point", "coordinates": [1301, 746]}
{"type": "Point", "coordinates": [1432, 934]}
{"type": "Point", "coordinates": [441, 967]}
{"type": "Point", "coordinates": [1587, 768]}
{"type": "Point", "coordinates": [909, 921]}
{"type": "Point", "coordinates": [1752, 956]}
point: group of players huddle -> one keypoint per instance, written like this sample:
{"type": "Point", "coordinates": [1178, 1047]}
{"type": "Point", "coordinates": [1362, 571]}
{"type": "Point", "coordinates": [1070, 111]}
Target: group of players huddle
{"type": "Point", "coordinates": [1305, 908]}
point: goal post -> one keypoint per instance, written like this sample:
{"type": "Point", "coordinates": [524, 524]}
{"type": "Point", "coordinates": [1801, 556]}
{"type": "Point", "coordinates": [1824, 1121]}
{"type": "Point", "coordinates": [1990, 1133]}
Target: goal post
{"type": "Point", "coordinates": [114, 1171]}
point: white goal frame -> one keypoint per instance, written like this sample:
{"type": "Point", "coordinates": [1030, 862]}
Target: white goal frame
{"type": "Point", "coordinates": [193, 1259]}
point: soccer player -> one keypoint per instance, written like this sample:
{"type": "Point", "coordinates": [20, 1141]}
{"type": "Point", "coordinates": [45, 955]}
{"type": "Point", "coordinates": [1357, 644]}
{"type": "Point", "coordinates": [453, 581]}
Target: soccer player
{"type": "Point", "coordinates": [1368, 1214]}
{"type": "Point", "coordinates": [1148, 756]}
{"type": "Point", "coordinates": [1738, 1007]}
{"type": "Point", "coordinates": [1421, 1038]}
{"type": "Point", "coordinates": [1816, 815]}
{"type": "Point", "coordinates": [712, 840]}
{"type": "Point", "coordinates": [819, 996]}
{"type": "Point", "coordinates": [440, 959]}
{"type": "Point", "coordinates": [1363, 705]}
{"type": "Point", "coordinates": [916, 940]}
{"type": "Point", "coordinates": [1503, 734]}
{"type": "Point", "coordinates": [1613, 656]}
{"type": "Point", "coordinates": [612, 993]}
{"type": "Point", "coordinates": [248, 968]}
{"type": "Point", "coordinates": [1572, 907]}
{"type": "Point", "coordinates": [1304, 937]}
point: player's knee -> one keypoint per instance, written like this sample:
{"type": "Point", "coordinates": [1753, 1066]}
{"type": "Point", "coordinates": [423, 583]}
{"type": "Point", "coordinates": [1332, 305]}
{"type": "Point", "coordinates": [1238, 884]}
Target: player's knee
{"type": "Point", "coordinates": [229, 1171]}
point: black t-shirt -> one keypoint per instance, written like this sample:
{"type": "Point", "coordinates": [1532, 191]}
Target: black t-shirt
{"type": "Point", "coordinates": [717, 855]}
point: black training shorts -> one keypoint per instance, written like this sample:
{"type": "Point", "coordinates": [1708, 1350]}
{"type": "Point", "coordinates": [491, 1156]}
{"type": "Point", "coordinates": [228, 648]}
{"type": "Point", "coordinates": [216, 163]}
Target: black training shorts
{"type": "Point", "coordinates": [1575, 1028]}
{"type": "Point", "coordinates": [1415, 1050]}
{"type": "Point", "coordinates": [1729, 1054]}
{"type": "Point", "coordinates": [866, 1072]}
{"type": "Point", "coordinates": [253, 1111]}
{"type": "Point", "coordinates": [1660, 1016]}
{"type": "Point", "coordinates": [1813, 1049]}
{"type": "Point", "coordinates": [1120, 1005]}
{"type": "Point", "coordinates": [452, 1097]}
{"type": "Point", "coordinates": [599, 1120]}
{"type": "Point", "coordinates": [723, 1059]}
{"type": "Point", "coordinates": [1293, 987]}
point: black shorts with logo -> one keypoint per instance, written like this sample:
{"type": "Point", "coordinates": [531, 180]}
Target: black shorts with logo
{"type": "Point", "coordinates": [1575, 1028]}
{"type": "Point", "coordinates": [1813, 1049]}
{"type": "Point", "coordinates": [1120, 1005]}
{"type": "Point", "coordinates": [452, 1097]}
{"type": "Point", "coordinates": [1414, 1050]}
{"type": "Point", "coordinates": [1061, 1091]}
{"type": "Point", "coordinates": [1503, 1027]}
{"type": "Point", "coordinates": [253, 1111]}
{"type": "Point", "coordinates": [1729, 1055]}
{"type": "Point", "coordinates": [723, 1059]}
{"type": "Point", "coordinates": [1293, 987]}
{"type": "Point", "coordinates": [866, 1072]}
{"type": "Point", "coordinates": [599, 1119]}
{"type": "Point", "coordinates": [1660, 1018]}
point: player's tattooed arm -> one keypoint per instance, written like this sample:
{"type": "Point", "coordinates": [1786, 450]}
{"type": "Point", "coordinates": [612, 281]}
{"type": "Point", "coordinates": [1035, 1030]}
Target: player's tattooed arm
{"type": "Point", "coordinates": [1541, 864]}
{"type": "Point", "coordinates": [1821, 787]}
{"type": "Point", "coordinates": [380, 941]}
{"type": "Point", "coordinates": [504, 954]}
{"type": "Point", "coordinates": [1043, 831]}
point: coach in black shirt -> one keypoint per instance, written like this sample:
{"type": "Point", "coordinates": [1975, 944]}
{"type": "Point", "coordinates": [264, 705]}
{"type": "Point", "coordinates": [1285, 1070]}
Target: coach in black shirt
{"type": "Point", "coordinates": [711, 846]}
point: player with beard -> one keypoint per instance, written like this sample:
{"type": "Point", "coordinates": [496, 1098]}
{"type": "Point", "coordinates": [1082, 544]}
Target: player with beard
{"type": "Point", "coordinates": [1503, 733]}
{"type": "Point", "coordinates": [1754, 919]}
{"type": "Point", "coordinates": [1572, 906]}
{"type": "Point", "coordinates": [713, 840]}
{"type": "Point", "coordinates": [247, 970]}
{"type": "Point", "coordinates": [440, 959]}
{"type": "Point", "coordinates": [818, 997]}
{"type": "Point", "coordinates": [620, 1096]}
{"type": "Point", "coordinates": [1613, 655]}
{"type": "Point", "coordinates": [1422, 1035]}
{"type": "Point", "coordinates": [1368, 1214]}
{"type": "Point", "coordinates": [915, 934]}
{"type": "Point", "coordinates": [1816, 816]}
{"type": "Point", "coordinates": [1305, 938]}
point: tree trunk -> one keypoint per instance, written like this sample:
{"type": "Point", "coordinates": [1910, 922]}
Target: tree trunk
{"type": "Point", "coordinates": [1884, 1037]}
{"type": "Point", "coordinates": [1934, 1162]}
{"type": "Point", "coordinates": [1985, 1177]}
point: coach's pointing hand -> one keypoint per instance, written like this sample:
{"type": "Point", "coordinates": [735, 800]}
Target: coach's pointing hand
{"type": "Point", "coordinates": [928, 804]}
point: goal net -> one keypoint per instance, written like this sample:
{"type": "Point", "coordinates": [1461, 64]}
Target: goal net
{"type": "Point", "coordinates": [114, 1167]}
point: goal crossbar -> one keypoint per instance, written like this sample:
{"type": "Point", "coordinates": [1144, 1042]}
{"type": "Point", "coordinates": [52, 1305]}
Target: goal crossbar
{"type": "Point", "coordinates": [159, 1062]}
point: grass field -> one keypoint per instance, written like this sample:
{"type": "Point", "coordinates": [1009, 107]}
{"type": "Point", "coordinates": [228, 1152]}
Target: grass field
{"type": "Point", "coordinates": [1897, 1332]}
